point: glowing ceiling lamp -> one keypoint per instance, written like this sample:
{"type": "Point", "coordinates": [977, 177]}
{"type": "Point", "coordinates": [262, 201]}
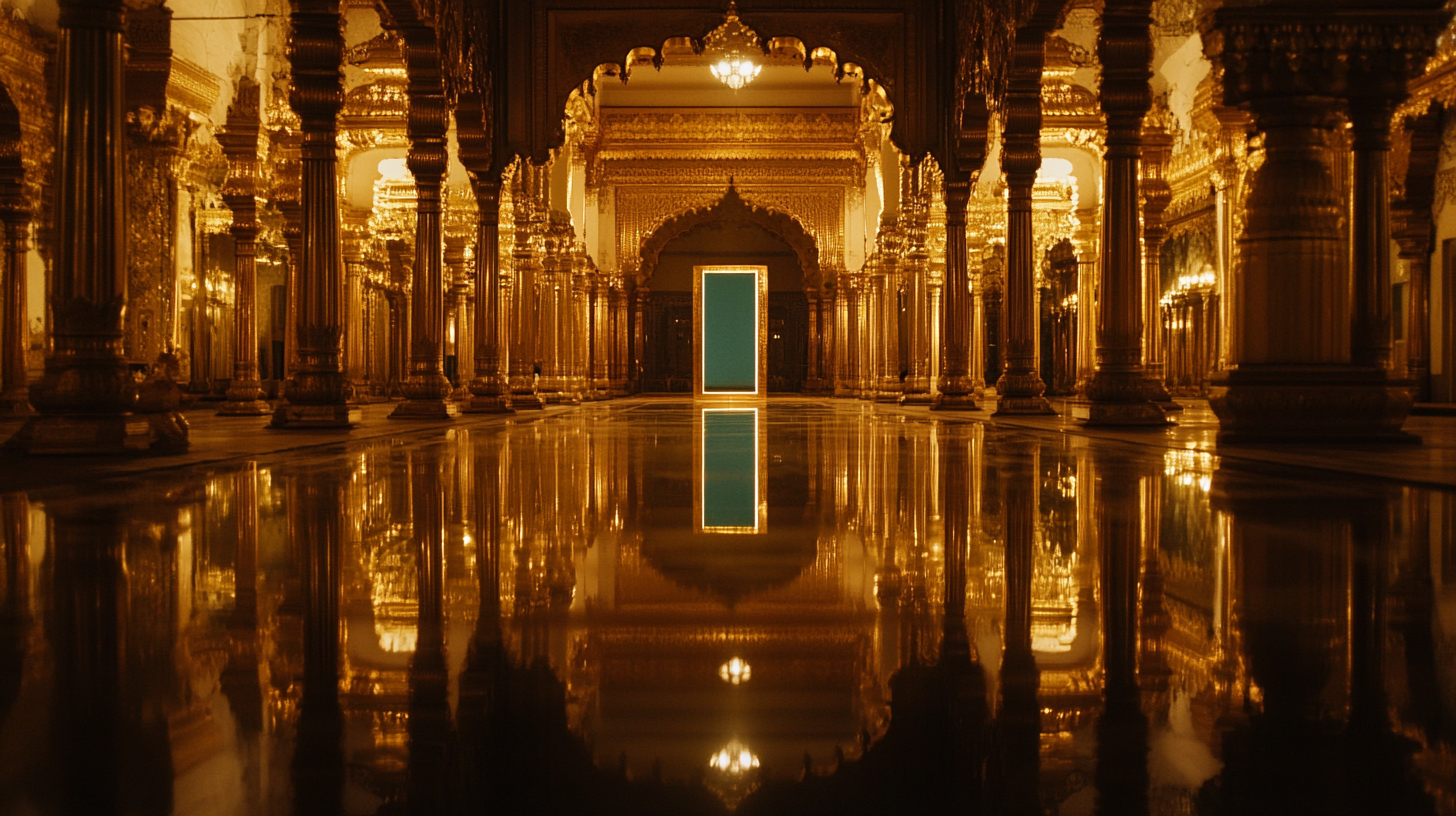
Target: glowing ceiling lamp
{"type": "Point", "coordinates": [735, 671]}
{"type": "Point", "coordinates": [731, 49]}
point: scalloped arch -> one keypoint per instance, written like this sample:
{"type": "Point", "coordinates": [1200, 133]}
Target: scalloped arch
{"type": "Point", "coordinates": [731, 208]}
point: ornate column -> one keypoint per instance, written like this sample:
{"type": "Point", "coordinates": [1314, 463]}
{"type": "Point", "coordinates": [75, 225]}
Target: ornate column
{"type": "Point", "coordinates": [1307, 362]}
{"type": "Point", "coordinates": [318, 394]}
{"type": "Point", "coordinates": [1020, 387]}
{"type": "Point", "coordinates": [890, 269]}
{"type": "Point", "coordinates": [489, 391]}
{"type": "Point", "coordinates": [15, 213]}
{"type": "Point", "coordinates": [957, 389]}
{"type": "Point", "coordinates": [240, 145]}
{"type": "Point", "coordinates": [459, 294]}
{"type": "Point", "coordinates": [1414, 231]}
{"type": "Point", "coordinates": [1392, 51]}
{"type": "Point", "coordinates": [915, 272]}
{"type": "Point", "coordinates": [1119, 392]}
{"type": "Point", "coordinates": [86, 395]}
{"type": "Point", "coordinates": [525, 199]}
{"type": "Point", "coordinates": [1157, 195]}
{"type": "Point", "coordinates": [427, 391]}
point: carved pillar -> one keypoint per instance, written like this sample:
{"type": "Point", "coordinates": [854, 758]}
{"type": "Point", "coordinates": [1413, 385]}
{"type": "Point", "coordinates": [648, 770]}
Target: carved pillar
{"type": "Point", "coordinates": [957, 389]}
{"type": "Point", "coordinates": [1297, 373]}
{"type": "Point", "coordinates": [915, 273]}
{"type": "Point", "coordinates": [1415, 233]}
{"type": "Point", "coordinates": [318, 394]}
{"type": "Point", "coordinates": [890, 269]}
{"type": "Point", "coordinates": [86, 395]}
{"type": "Point", "coordinates": [1157, 195]}
{"type": "Point", "coordinates": [1395, 53]}
{"type": "Point", "coordinates": [621, 302]}
{"type": "Point", "coordinates": [1119, 392]}
{"type": "Point", "coordinates": [525, 199]}
{"type": "Point", "coordinates": [15, 213]}
{"type": "Point", "coordinates": [1020, 386]}
{"type": "Point", "coordinates": [489, 391]}
{"type": "Point", "coordinates": [240, 146]}
{"type": "Point", "coordinates": [427, 391]}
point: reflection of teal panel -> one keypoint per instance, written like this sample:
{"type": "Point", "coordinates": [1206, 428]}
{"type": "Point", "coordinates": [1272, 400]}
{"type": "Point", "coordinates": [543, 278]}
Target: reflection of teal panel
{"type": "Point", "coordinates": [730, 331]}
{"type": "Point", "coordinates": [730, 470]}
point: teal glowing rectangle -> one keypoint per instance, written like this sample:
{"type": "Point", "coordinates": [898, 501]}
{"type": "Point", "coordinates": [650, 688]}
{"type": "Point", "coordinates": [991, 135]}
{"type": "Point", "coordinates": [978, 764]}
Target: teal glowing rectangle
{"type": "Point", "coordinates": [730, 332]}
{"type": "Point", "coordinates": [730, 471]}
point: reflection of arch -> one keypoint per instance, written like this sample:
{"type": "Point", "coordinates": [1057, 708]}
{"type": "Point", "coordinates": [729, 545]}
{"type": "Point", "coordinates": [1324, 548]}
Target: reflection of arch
{"type": "Point", "coordinates": [731, 208]}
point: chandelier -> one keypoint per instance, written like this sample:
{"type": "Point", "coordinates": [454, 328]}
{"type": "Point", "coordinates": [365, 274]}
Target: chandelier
{"type": "Point", "coordinates": [730, 49]}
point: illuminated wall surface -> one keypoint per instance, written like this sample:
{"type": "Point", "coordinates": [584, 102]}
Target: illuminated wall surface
{"type": "Point", "coordinates": [730, 470]}
{"type": "Point", "coordinates": [730, 331]}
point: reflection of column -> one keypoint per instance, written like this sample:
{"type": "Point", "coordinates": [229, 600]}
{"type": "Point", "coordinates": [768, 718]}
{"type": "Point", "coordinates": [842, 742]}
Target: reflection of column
{"type": "Point", "coordinates": [86, 394]}
{"type": "Point", "coordinates": [1122, 730]}
{"type": "Point", "coordinates": [239, 681]}
{"type": "Point", "coordinates": [1020, 385]}
{"type": "Point", "coordinates": [87, 636]}
{"type": "Point", "coordinates": [314, 507]}
{"type": "Point", "coordinates": [429, 703]}
{"type": "Point", "coordinates": [318, 394]}
{"type": "Point", "coordinates": [1020, 715]}
{"type": "Point", "coordinates": [1119, 392]}
{"type": "Point", "coordinates": [1154, 672]}
{"type": "Point", "coordinates": [427, 391]}
{"type": "Point", "coordinates": [15, 612]}
{"type": "Point", "coordinates": [240, 145]}
{"type": "Point", "coordinates": [14, 328]}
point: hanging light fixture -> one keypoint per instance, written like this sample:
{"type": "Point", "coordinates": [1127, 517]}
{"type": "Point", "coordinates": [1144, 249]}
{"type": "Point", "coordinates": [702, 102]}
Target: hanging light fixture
{"type": "Point", "coordinates": [731, 49]}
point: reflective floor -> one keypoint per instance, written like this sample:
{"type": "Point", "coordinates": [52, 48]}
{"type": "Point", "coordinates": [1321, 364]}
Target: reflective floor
{"type": "Point", "coordinates": [647, 607]}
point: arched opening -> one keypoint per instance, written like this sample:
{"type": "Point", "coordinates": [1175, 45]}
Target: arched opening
{"type": "Point", "coordinates": [668, 352]}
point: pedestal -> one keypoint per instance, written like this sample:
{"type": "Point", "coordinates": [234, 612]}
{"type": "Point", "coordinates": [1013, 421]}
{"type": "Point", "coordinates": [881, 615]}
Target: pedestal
{"type": "Point", "coordinates": [1310, 404]}
{"type": "Point", "coordinates": [101, 435]}
{"type": "Point", "coordinates": [316, 417]}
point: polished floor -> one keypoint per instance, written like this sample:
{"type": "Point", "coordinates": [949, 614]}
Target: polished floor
{"type": "Point", "coordinates": [806, 607]}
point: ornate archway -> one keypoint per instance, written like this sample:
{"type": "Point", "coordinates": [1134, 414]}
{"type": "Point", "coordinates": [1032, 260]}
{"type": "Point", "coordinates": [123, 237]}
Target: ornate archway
{"type": "Point", "coordinates": [731, 208]}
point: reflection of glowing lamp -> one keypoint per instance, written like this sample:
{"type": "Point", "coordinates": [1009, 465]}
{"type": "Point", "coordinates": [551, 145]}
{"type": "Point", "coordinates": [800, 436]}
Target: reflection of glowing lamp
{"type": "Point", "coordinates": [736, 671]}
{"type": "Point", "coordinates": [734, 758]}
{"type": "Point", "coordinates": [730, 48]}
{"type": "Point", "coordinates": [730, 773]}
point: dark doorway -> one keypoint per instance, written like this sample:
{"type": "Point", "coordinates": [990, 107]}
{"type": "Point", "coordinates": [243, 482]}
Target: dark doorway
{"type": "Point", "coordinates": [667, 359]}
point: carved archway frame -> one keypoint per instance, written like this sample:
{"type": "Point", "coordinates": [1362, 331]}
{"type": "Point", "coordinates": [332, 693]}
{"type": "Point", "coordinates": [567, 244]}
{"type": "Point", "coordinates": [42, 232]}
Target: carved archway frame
{"type": "Point", "coordinates": [731, 208]}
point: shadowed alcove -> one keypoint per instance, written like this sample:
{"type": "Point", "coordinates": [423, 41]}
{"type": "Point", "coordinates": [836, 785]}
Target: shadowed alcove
{"type": "Point", "coordinates": [668, 352]}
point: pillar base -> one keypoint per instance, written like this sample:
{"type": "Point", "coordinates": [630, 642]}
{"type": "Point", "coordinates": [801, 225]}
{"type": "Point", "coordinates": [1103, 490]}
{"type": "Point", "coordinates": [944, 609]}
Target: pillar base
{"type": "Point", "coordinates": [1023, 406]}
{"type": "Point", "coordinates": [343, 416]}
{"type": "Point", "coordinates": [954, 402]}
{"type": "Point", "coordinates": [528, 401]}
{"type": "Point", "coordinates": [919, 398]}
{"type": "Point", "coordinates": [239, 408]}
{"type": "Point", "coordinates": [496, 404]}
{"type": "Point", "coordinates": [438, 409]}
{"type": "Point", "coordinates": [1143, 413]}
{"type": "Point", "coordinates": [1310, 404]}
{"type": "Point", "coordinates": [105, 435]}
{"type": "Point", "coordinates": [17, 407]}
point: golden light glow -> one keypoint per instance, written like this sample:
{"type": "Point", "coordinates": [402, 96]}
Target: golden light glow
{"type": "Point", "coordinates": [734, 758]}
{"type": "Point", "coordinates": [730, 49]}
{"type": "Point", "coordinates": [736, 671]}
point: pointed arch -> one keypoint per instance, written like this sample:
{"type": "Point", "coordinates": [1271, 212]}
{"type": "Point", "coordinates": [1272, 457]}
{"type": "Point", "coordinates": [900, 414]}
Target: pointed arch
{"type": "Point", "coordinates": [731, 208]}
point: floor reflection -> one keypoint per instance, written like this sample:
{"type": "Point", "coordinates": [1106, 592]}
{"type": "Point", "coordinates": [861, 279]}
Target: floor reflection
{"type": "Point", "coordinates": [646, 608]}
